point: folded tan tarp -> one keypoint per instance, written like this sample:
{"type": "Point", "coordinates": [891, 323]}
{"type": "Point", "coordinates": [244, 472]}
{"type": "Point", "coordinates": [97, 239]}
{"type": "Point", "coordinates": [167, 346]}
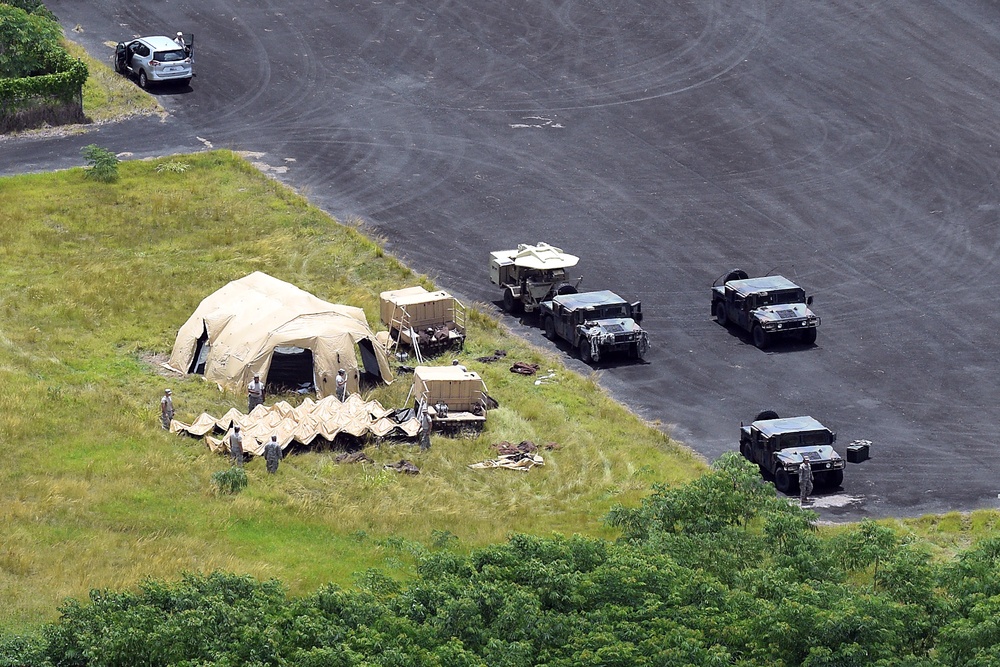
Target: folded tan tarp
{"type": "Point", "coordinates": [303, 424]}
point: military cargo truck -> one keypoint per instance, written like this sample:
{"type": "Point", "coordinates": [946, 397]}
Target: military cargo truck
{"type": "Point", "coordinates": [767, 308]}
{"type": "Point", "coordinates": [531, 274]}
{"type": "Point", "coordinates": [778, 447]}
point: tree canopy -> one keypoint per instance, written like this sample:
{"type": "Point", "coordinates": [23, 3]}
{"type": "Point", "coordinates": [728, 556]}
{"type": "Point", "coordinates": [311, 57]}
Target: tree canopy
{"type": "Point", "coordinates": [27, 40]}
{"type": "Point", "coordinates": [721, 571]}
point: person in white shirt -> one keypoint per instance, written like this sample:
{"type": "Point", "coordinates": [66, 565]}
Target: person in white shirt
{"type": "Point", "coordinates": [255, 393]}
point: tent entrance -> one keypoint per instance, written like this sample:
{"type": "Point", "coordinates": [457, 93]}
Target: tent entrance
{"type": "Point", "coordinates": [369, 362]}
{"type": "Point", "coordinates": [200, 353]}
{"type": "Point", "coordinates": [291, 369]}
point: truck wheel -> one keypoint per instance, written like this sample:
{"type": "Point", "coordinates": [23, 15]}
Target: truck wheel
{"type": "Point", "coordinates": [761, 339]}
{"type": "Point", "coordinates": [783, 481]}
{"type": "Point", "coordinates": [720, 313]}
{"type": "Point", "coordinates": [550, 328]}
{"type": "Point", "coordinates": [584, 349]}
{"type": "Point", "coordinates": [564, 288]}
{"type": "Point", "coordinates": [510, 302]}
{"type": "Point", "coordinates": [809, 336]}
{"type": "Point", "coordinates": [766, 414]}
{"type": "Point", "coordinates": [834, 478]}
{"type": "Point", "coordinates": [745, 451]}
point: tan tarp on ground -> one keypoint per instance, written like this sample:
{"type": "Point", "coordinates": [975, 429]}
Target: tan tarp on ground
{"type": "Point", "coordinates": [303, 424]}
{"type": "Point", "coordinates": [249, 317]}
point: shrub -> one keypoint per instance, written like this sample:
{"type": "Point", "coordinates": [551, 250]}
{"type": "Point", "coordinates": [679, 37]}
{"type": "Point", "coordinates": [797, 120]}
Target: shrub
{"type": "Point", "coordinates": [230, 481]}
{"type": "Point", "coordinates": [24, 40]}
{"type": "Point", "coordinates": [102, 164]}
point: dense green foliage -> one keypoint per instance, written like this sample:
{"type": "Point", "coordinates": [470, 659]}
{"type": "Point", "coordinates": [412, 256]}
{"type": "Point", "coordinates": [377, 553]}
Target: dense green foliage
{"type": "Point", "coordinates": [717, 572]}
{"type": "Point", "coordinates": [35, 68]}
{"type": "Point", "coordinates": [26, 42]}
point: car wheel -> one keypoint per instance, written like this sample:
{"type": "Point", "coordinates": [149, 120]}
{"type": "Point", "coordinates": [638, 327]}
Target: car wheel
{"type": "Point", "coordinates": [117, 63]}
{"type": "Point", "coordinates": [783, 481]}
{"type": "Point", "coordinates": [585, 353]}
{"type": "Point", "coordinates": [184, 82]}
{"type": "Point", "coordinates": [143, 81]}
{"type": "Point", "coordinates": [834, 478]}
{"type": "Point", "coordinates": [550, 328]}
{"type": "Point", "coordinates": [809, 336]}
{"type": "Point", "coordinates": [761, 338]}
{"type": "Point", "coordinates": [510, 302]}
{"type": "Point", "coordinates": [720, 313]}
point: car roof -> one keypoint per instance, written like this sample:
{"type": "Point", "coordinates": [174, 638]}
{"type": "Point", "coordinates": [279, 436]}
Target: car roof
{"type": "Point", "coordinates": [588, 299]}
{"type": "Point", "coordinates": [762, 284]}
{"type": "Point", "coordinates": [769, 427]}
{"type": "Point", "coordinates": [160, 43]}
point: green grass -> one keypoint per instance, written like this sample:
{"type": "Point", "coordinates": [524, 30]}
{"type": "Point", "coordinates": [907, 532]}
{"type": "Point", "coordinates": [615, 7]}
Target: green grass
{"type": "Point", "coordinates": [95, 280]}
{"type": "Point", "coordinates": [107, 95]}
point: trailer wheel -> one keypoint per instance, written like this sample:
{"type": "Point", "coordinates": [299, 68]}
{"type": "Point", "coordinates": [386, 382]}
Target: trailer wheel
{"type": "Point", "coordinates": [510, 302]}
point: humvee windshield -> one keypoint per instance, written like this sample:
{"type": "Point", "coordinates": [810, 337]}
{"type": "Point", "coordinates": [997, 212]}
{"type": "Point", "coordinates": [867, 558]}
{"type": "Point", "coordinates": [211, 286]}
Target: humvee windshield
{"type": "Point", "coordinates": [780, 297]}
{"type": "Point", "coordinates": [610, 312]}
{"type": "Point", "coordinates": [807, 439]}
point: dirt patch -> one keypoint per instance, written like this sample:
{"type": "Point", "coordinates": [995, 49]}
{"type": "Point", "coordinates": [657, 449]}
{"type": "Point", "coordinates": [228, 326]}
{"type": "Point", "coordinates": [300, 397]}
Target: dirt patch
{"type": "Point", "coordinates": [156, 361]}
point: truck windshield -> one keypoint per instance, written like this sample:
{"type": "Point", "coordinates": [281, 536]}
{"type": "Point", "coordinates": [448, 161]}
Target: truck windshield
{"type": "Point", "coordinates": [807, 439]}
{"type": "Point", "coordinates": [609, 312]}
{"type": "Point", "coordinates": [782, 297]}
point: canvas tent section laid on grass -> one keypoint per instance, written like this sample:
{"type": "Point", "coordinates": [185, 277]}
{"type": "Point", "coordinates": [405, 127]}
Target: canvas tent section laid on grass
{"type": "Point", "coordinates": [324, 419]}
{"type": "Point", "coordinates": [259, 324]}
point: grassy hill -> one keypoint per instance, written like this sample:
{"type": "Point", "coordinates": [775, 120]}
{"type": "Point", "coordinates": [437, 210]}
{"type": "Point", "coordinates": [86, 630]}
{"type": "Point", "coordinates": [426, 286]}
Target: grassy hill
{"type": "Point", "coordinates": [95, 280]}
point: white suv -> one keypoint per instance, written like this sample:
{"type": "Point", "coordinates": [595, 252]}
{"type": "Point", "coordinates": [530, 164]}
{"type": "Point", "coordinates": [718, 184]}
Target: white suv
{"type": "Point", "coordinates": [154, 59]}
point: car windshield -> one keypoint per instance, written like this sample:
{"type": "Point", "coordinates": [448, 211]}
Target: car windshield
{"type": "Point", "coordinates": [778, 298]}
{"type": "Point", "coordinates": [169, 56]}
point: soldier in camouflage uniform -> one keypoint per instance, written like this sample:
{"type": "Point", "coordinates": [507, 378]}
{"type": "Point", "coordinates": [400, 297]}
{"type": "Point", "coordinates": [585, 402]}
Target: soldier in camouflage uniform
{"type": "Point", "coordinates": [166, 409]}
{"type": "Point", "coordinates": [425, 427]}
{"type": "Point", "coordinates": [236, 446]}
{"type": "Point", "coordinates": [805, 481]}
{"type": "Point", "coordinates": [272, 454]}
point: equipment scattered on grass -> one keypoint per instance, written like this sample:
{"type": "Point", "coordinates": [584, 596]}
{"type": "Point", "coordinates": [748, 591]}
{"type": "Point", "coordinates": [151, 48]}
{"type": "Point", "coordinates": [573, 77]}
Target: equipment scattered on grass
{"type": "Point", "coordinates": [531, 274]}
{"type": "Point", "coordinates": [403, 466]}
{"type": "Point", "coordinates": [428, 322]}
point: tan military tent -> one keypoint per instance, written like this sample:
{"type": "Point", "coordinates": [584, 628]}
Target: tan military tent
{"type": "Point", "coordinates": [259, 324]}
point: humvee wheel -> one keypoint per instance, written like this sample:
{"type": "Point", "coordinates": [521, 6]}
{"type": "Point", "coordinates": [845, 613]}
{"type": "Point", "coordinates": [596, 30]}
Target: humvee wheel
{"type": "Point", "coordinates": [564, 288]}
{"type": "Point", "coordinates": [510, 302]}
{"type": "Point", "coordinates": [761, 339]}
{"type": "Point", "coordinates": [766, 414]}
{"type": "Point", "coordinates": [720, 313]}
{"type": "Point", "coordinates": [584, 349]}
{"type": "Point", "coordinates": [783, 481]}
{"type": "Point", "coordinates": [809, 336]}
{"type": "Point", "coordinates": [834, 478]}
{"type": "Point", "coordinates": [745, 451]}
{"type": "Point", "coordinates": [550, 328]}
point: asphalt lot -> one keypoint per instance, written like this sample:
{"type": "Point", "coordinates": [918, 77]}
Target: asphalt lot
{"type": "Point", "coordinates": [849, 145]}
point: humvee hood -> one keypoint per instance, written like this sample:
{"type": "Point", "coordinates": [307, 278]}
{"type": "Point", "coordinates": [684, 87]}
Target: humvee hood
{"type": "Point", "coordinates": [783, 312]}
{"type": "Point", "coordinates": [613, 326]}
{"type": "Point", "coordinates": [814, 454]}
